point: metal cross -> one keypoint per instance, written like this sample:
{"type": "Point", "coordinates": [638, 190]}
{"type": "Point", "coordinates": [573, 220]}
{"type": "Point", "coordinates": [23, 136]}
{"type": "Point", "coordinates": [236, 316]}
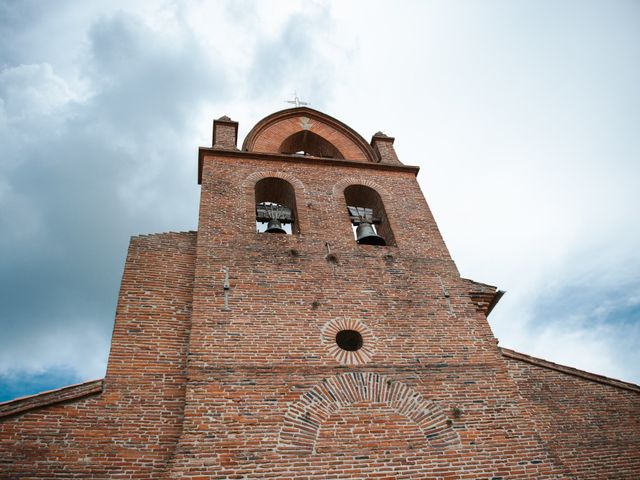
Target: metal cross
{"type": "Point", "coordinates": [296, 101]}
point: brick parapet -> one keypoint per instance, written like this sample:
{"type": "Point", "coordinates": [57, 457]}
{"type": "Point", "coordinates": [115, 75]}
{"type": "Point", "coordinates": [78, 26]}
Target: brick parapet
{"type": "Point", "coordinates": [383, 146]}
{"type": "Point", "coordinates": [225, 134]}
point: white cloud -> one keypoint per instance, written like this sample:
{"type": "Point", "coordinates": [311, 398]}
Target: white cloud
{"type": "Point", "coordinates": [30, 91]}
{"type": "Point", "coordinates": [523, 117]}
{"type": "Point", "coordinates": [52, 347]}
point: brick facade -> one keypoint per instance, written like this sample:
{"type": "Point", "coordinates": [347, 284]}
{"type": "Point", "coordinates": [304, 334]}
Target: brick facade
{"type": "Point", "coordinates": [224, 362]}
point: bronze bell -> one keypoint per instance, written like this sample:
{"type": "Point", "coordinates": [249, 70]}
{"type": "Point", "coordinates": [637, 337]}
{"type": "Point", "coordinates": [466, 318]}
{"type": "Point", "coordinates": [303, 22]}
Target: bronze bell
{"type": "Point", "coordinates": [366, 235]}
{"type": "Point", "coordinates": [274, 226]}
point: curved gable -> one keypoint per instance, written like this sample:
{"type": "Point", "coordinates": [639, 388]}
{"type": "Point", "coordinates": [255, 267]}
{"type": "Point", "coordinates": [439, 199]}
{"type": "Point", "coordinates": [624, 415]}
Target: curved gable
{"type": "Point", "coordinates": [274, 134]}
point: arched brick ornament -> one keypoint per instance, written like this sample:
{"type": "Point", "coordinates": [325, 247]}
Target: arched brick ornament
{"type": "Point", "coordinates": [268, 134]}
{"type": "Point", "coordinates": [305, 417]}
{"type": "Point", "coordinates": [343, 183]}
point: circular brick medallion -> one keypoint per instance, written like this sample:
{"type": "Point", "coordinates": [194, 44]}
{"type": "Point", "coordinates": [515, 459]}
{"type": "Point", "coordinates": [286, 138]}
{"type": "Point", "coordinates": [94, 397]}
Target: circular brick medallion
{"type": "Point", "coordinates": [349, 341]}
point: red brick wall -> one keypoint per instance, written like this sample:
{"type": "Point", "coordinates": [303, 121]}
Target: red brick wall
{"type": "Point", "coordinates": [268, 398]}
{"type": "Point", "coordinates": [591, 427]}
{"type": "Point", "coordinates": [132, 427]}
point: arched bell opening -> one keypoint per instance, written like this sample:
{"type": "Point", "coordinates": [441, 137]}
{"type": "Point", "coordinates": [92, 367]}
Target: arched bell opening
{"type": "Point", "coordinates": [306, 142]}
{"type": "Point", "coordinates": [275, 201]}
{"type": "Point", "coordinates": [368, 216]}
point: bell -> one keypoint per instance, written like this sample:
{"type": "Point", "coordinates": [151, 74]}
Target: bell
{"type": "Point", "coordinates": [366, 235]}
{"type": "Point", "coordinates": [274, 226]}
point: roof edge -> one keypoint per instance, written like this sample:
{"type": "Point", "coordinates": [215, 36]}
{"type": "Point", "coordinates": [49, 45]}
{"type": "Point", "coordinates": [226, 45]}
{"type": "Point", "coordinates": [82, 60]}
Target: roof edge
{"type": "Point", "coordinates": [158, 234]}
{"type": "Point", "coordinates": [539, 362]}
{"type": "Point", "coordinates": [481, 284]}
{"type": "Point", "coordinates": [51, 397]}
{"type": "Point", "coordinates": [496, 298]}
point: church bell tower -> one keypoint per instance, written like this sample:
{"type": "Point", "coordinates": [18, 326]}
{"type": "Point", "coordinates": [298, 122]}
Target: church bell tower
{"type": "Point", "coordinates": [315, 327]}
{"type": "Point", "coordinates": [331, 333]}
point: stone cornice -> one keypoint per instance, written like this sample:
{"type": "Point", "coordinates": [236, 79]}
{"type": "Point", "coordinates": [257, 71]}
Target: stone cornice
{"type": "Point", "coordinates": [209, 151]}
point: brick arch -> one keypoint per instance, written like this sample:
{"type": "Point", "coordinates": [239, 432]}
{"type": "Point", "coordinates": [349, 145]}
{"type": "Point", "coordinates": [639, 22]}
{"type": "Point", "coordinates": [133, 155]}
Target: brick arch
{"type": "Point", "coordinates": [339, 187]}
{"type": "Point", "coordinates": [385, 196]}
{"type": "Point", "coordinates": [248, 188]}
{"type": "Point", "coordinates": [269, 134]}
{"type": "Point", "coordinates": [304, 418]}
{"type": "Point", "coordinates": [255, 177]}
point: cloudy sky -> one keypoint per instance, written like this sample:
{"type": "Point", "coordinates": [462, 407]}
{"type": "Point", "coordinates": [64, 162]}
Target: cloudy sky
{"type": "Point", "coordinates": [524, 116]}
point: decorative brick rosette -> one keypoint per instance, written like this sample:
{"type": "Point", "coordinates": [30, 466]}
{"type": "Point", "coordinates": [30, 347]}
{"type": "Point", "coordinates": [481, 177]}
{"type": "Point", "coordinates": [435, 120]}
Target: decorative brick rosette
{"type": "Point", "coordinates": [357, 357]}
